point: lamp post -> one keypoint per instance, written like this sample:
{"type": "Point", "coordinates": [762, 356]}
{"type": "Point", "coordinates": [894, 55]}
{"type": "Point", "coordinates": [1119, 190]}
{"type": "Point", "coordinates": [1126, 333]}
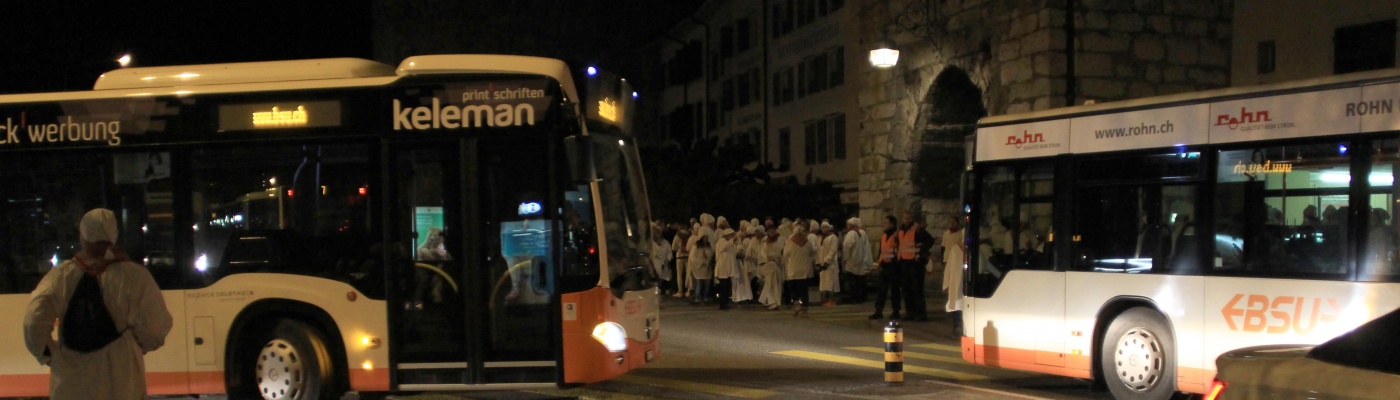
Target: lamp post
{"type": "Point", "coordinates": [884, 55]}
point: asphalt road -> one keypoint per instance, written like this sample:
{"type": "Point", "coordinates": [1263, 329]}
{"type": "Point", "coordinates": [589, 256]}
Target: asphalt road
{"type": "Point", "coordinates": [833, 353]}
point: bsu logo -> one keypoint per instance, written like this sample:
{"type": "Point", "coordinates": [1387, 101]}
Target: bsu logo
{"type": "Point", "coordinates": [1025, 138]}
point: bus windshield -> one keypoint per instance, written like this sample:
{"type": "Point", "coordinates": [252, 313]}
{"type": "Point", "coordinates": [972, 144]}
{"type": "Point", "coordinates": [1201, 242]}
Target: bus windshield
{"type": "Point", "coordinates": [626, 223]}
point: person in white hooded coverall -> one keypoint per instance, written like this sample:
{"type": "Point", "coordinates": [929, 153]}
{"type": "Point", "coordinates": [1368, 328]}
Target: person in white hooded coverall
{"type": "Point", "coordinates": [799, 254]}
{"type": "Point", "coordinates": [856, 259]}
{"type": "Point", "coordinates": [726, 263]}
{"type": "Point", "coordinates": [770, 258]}
{"type": "Point", "coordinates": [828, 260]}
{"type": "Point", "coordinates": [118, 370]}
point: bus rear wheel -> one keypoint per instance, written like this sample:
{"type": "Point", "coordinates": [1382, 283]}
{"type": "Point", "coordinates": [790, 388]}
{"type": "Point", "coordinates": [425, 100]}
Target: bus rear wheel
{"type": "Point", "coordinates": [1138, 356]}
{"type": "Point", "coordinates": [292, 362]}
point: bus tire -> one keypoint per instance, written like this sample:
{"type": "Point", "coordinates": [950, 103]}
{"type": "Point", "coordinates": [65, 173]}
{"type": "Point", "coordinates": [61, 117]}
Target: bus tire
{"type": "Point", "coordinates": [291, 362]}
{"type": "Point", "coordinates": [1138, 356]}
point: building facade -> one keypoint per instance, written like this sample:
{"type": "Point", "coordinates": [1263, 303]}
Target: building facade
{"type": "Point", "coordinates": [778, 77]}
{"type": "Point", "coordinates": [1291, 40]}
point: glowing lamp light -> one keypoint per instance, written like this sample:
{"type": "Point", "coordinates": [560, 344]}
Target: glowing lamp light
{"type": "Point", "coordinates": [124, 61]}
{"type": "Point", "coordinates": [202, 263]}
{"type": "Point", "coordinates": [884, 55]}
{"type": "Point", "coordinates": [634, 95]}
{"type": "Point", "coordinates": [364, 190]}
{"type": "Point", "coordinates": [54, 260]}
{"type": "Point", "coordinates": [592, 71]}
{"type": "Point", "coordinates": [367, 366]}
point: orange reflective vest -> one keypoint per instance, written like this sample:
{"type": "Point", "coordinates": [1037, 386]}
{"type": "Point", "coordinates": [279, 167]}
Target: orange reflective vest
{"type": "Point", "coordinates": [908, 250]}
{"type": "Point", "coordinates": [887, 248]}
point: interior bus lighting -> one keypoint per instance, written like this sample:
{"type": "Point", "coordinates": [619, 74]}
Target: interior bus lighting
{"type": "Point", "coordinates": [611, 335]}
{"type": "Point", "coordinates": [1343, 177]}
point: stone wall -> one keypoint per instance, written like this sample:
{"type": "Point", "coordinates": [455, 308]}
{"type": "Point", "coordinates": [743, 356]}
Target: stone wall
{"type": "Point", "coordinates": [1016, 52]}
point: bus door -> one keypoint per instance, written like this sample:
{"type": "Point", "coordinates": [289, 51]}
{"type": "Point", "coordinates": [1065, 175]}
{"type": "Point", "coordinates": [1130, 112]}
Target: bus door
{"type": "Point", "coordinates": [475, 291]}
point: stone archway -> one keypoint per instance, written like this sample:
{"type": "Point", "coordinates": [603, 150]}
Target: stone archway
{"type": "Point", "coordinates": [947, 115]}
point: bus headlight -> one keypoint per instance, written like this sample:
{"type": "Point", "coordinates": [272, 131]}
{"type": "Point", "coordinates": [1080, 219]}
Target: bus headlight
{"type": "Point", "coordinates": [611, 335]}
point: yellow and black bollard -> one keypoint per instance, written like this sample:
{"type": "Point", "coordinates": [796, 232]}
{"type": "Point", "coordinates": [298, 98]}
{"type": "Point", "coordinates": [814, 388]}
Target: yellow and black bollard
{"type": "Point", "coordinates": [894, 353]}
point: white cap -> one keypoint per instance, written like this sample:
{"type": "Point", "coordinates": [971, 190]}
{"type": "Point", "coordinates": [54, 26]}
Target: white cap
{"type": "Point", "coordinates": [707, 219]}
{"type": "Point", "coordinates": [853, 221]}
{"type": "Point", "coordinates": [722, 220]}
{"type": "Point", "coordinates": [98, 225]}
{"type": "Point", "coordinates": [826, 226]}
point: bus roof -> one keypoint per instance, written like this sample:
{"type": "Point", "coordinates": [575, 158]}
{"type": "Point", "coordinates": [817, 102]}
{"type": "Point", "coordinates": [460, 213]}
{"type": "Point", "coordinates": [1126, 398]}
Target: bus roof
{"type": "Point", "coordinates": [296, 74]}
{"type": "Point", "coordinates": [1342, 104]}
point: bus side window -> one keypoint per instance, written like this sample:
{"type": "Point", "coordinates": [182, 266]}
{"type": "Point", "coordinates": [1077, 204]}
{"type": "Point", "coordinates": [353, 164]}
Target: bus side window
{"type": "Point", "coordinates": [1380, 262]}
{"type": "Point", "coordinates": [1281, 211]}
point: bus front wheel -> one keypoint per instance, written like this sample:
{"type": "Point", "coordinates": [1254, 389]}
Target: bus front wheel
{"type": "Point", "coordinates": [1138, 356]}
{"type": "Point", "coordinates": [291, 362]}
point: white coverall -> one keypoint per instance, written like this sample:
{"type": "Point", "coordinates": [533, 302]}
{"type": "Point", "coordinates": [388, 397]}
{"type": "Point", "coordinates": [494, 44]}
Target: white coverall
{"type": "Point", "coordinates": [827, 253]}
{"type": "Point", "coordinates": [117, 371]}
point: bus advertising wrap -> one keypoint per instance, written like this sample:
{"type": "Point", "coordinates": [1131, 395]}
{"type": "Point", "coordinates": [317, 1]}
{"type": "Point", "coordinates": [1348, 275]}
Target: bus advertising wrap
{"type": "Point", "coordinates": [84, 123]}
{"type": "Point", "coordinates": [489, 104]}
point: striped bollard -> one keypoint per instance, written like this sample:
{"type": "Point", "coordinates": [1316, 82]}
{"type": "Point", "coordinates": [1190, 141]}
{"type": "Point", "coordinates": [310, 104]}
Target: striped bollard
{"type": "Point", "coordinates": [894, 353]}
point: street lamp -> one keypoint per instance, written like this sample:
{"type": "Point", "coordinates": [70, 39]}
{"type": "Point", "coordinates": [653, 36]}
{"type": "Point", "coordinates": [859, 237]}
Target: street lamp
{"type": "Point", "coordinates": [124, 60]}
{"type": "Point", "coordinates": [884, 55]}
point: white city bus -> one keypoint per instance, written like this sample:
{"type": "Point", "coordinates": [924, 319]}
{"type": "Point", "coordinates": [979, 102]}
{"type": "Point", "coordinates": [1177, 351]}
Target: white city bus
{"type": "Point", "coordinates": [1133, 242]}
{"type": "Point", "coordinates": [459, 222]}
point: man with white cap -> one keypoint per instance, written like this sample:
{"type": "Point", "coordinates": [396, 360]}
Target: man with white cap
{"type": "Point", "coordinates": [726, 263]}
{"type": "Point", "coordinates": [136, 318]}
{"type": "Point", "coordinates": [856, 260]}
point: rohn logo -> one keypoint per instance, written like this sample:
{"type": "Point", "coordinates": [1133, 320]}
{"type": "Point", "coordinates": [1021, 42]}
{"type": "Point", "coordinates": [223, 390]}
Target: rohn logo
{"type": "Point", "coordinates": [1245, 117]}
{"type": "Point", "coordinates": [1025, 138]}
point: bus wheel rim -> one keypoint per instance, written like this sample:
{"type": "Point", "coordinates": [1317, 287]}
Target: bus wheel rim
{"type": "Point", "coordinates": [280, 371]}
{"type": "Point", "coordinates": [1139, 360]}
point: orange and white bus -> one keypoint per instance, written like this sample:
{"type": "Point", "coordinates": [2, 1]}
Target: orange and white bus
{"type": "Point", "coordinates": [1133, 242]}
{"type": "Point", "coordinates": [459, 222]}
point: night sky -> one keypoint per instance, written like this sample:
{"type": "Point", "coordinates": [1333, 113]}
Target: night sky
{"type": "Point", "coordinates": [64, 45]}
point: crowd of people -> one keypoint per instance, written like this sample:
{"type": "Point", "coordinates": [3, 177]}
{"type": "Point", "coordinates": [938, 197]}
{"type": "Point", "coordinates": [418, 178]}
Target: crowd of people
{"type": "Point", "coordinates": [774, 263]}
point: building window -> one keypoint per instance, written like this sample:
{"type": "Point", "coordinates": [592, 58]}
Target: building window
{"type": "Point", "coordinates": [802, 79]}
{"type": "Point", "coordinates": [1266, 56]}
{"type": "Point", "coordinates": [788, 86]}
{"type": "Point", "coordinates": [741, 90]}
{"type": "Point", "coordinates": [838, 136]}
{"type": "Point", "coordinates": [726, 41]}
{"type": "Point", "coordinates": [784, 148]}
{"type": "Point", "coordinates": [777, 88]}
{"type": "Point", "coordinates": [1364, 47]}
{"type": "Point", "coordinates": [715, 64]}
{"type": "Point", "coordinates": [809, 131]}
{"type": "Point", "coordinates": [823, 145]}
{"type": "Point", "coordinates": [836, 59]}
{"type": "Point", "coordinates": [817, 75]}
{"type": "Point", "coordinates": [743, 35]}
{"type": "Point", "coordinates": [726, 98]}
{"type": "Point", "coordinates": [756, 83]}
{"type": "Point", "coordinates": [778, 17]}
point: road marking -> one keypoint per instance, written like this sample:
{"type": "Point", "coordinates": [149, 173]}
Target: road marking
{"type": "Point", "coordinates": [733, 391]}
{"type": "Point", "coordinates": [910, 354]}
{"type": "Point", "coordinates": [940, 346]}
{"type": "Point", "coordinates": [912, 369]}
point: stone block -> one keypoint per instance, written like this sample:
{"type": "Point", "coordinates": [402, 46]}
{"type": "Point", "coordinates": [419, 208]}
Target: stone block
{"type": "Point", "coordinates": [1049, 64]}
{"type": "Point", "coordinates": [1160, 23]}
{"type": "Point", "coordinates": [1022, 25]}
{"type": "Point", "coordinates": [1052, 18]}
{"type": "Point", "coordinates": [1008, 50]}
{"type": "Point", "coordinates": [1153, 73]}
{"type": "Point", "coordinates": [1043, 40]}
{"type": "Point", "coordinates": [1031, 90]}
{"type": "Point", "coordinates": [883, 110]}
{"type": "Point", "coordinates": [1181, 50]}
{"type": "Point", "coordinates": [1126, 22]}
{"type": "Point", "coordinates": [1147, 6]}
{"type": "Point", "coordinates": [1019, 70]}
{"type": "Point", "coordinates": [1137, 90]}
{"type": "Point", "coordinates": [1194, 8]}
{"type": "Point", "coordinates": [1174, 74]}
{"type": "Point", "coordinates": [1195, 27]}
{"type": "Point", "coordinates": [1213, 53]}
{"type": "Point", "coordinates": [1106, 89]}
{"type": "Point", "coordinates": [1107, 5]}
{"type": "Point", "coordinates": [1094, 65]}
{"type": "Point", "coordinates": [1208, 78]}
{"type": "Point", "coordinates": [1042, 103]}
{"type": "Point", "coordinates": [1125, 71]}
{"type": "Point", "coordinates": [1104, 42]}
{"type": "Point", "coordinates": [1149, 48]}
{"type": "Point", "coordinates": [1018, 107]}
{"type": "Point", "coordinates": [1094, 20]}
